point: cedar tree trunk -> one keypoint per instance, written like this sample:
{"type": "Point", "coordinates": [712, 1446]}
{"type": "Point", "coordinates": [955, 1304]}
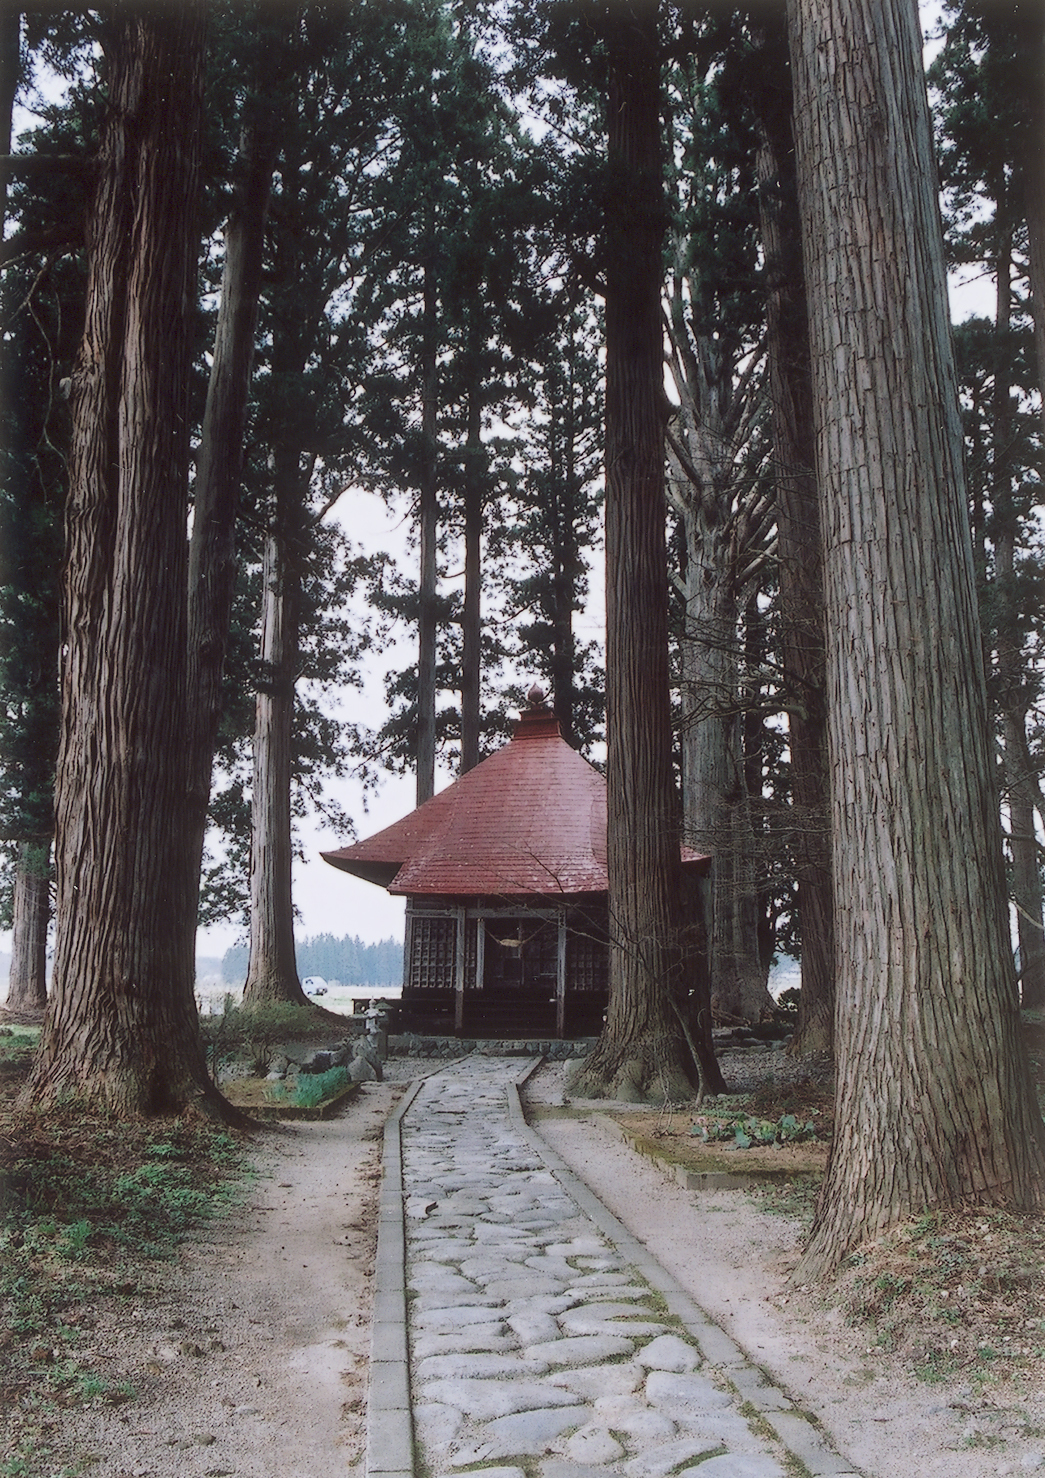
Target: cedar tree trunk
{"type": "Point", "coordinates": [272, 973]}
{"type": "Point", "coordinates": [212, 548]}
{"type": "Point", "coordinates": [714, 790]}
{"type": "Point", "coordinates": [934, 1105]}
{"type": "Point", "coordinates": [566, 492]}
{"type": "Point", "coordinates": [428, 533]}
{"type": "Point", "coordinates": [800, 561]}
{"type": "Point", "coordinates": [122, 1033]}
{"type": "Point", "coordinates": [1011, 675]}
{"type": "Point", "coordinates": [471, 653]}
{"type": "Point", "coordinates": [27, 982]}
{"type": "Point", "coordinates": [641, 1053]}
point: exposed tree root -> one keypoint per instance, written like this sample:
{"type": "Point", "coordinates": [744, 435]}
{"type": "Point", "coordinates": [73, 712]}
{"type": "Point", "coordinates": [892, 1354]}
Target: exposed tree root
{"type": "Point", "coordinates": [649, 1069]}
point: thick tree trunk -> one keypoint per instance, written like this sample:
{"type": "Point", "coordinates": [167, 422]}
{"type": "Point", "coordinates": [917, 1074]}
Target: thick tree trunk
{"type": "Point", "coordinates": [27, 981]}
{"type": "Point", "coordinates": [428, 535]}
{"type": "Point", "coordinates": [565, 564]}
{"type": "Point", "coordinates": [1026, 872]}
{"type": "Point", "coordinates": [800, 562]}
{"type": "Point", "coordinates": [471, 654]}
{"type": "Point", "coordinates": [563, 497]}
{"type": "Point", "coordinates": [714, 791]}
{"type": "Point", "coordinates": [272, 973]}
{"type": "Point", "coordinates": [1011, 665]}
{"type": "Point", "coordinates": [934, 1104]}
{"type": "Point", "coordinates": [641, 1053]}
{"type": "Point", "coordinates": [212, 547]}
{"type": "Point", "coordinates": [122, 1033]}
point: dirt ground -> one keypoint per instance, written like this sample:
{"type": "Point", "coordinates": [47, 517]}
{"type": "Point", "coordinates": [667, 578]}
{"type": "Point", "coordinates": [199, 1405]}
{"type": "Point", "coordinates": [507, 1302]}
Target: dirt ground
{"type": "Point", "coordinates": [247, 1356]}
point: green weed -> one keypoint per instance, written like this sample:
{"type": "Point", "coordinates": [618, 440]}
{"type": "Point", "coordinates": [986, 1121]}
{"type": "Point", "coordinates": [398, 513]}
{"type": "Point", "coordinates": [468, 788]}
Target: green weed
{"type": "Point", "coordinates": [746, 1130]}
{"type": "Point", "coordinates": [314, 1089]}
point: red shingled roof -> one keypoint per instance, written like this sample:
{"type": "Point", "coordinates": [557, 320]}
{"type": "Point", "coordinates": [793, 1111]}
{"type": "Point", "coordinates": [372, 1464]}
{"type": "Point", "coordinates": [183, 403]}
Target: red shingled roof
{"type": "Point", "coordinates": [531, 819]}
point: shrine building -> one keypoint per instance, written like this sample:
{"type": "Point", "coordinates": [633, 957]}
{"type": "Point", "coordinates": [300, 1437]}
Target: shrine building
{"type": "Point", "coordinates": [504, 873]}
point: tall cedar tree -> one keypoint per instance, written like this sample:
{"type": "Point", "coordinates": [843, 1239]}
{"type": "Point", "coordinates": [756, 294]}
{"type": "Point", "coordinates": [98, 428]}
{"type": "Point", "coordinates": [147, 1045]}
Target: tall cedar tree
{"type": "Point", "coordinates": [557, 521]}
{"type": "Point", "coordinates": [934, 1104]}
{"type": "Point", "coordinates": [799, 556]}
{"type": "Point", "coordinates": [641, 1053]}
{"type": "Point", "coordinates": [219, 465]}
{"type": "Point", "coordinates": [452, 324]}
{"type": "Point", "coordinates": [722, 502]}
{"type": "Point", "coordinates": [42, 307]}
{"type": "Point", "coordinates": [122, 1033]}
{"type": "Point", "coordinates": [984, 107]}
{"type": "Point", "coordinates": [333, 133]}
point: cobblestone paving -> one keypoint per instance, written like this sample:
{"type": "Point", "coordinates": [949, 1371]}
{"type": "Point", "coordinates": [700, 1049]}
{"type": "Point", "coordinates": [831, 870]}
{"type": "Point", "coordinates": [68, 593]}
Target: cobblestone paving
{"type": "Point", "coordinates": [538, 1350]}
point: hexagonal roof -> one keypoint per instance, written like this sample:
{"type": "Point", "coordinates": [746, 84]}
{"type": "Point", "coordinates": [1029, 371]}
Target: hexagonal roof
{"type": "Point", "coordinates": [529, 820]}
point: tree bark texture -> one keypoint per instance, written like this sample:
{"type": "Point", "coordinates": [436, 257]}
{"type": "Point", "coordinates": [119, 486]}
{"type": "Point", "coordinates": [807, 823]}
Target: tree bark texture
{"type": "Point", "coordinates": [272, 973]}
{"type": "Point", "coordinates": [565, 561]}
{"type": "Point", "coordinates": [799, 555]}
{"type": "Point", "coordinates": [428, 534]}
{"type": "Point", "coordinates": [933, 1104]}
{"type": "Point", "coordinates": [471, 643]}
{"type": "Point", "coordinates": [1023, 843]}
{"type": "Point", "coordinates": [716, 809]}
{"type": "Point", "coordinates": [641, 1053]}
{"type": "Point", "coordinates": [1012, 696]}
{"type": "Point", "coordinates": [122, 1033]}
{"type": "Point", "coordinates": [212, 548]}
{"type": "Point", "coordinates": [27, 981]}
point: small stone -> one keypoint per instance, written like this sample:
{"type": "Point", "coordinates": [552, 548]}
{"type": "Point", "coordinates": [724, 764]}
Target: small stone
{"type": "Point", "coordinates": [534, 1328]}
{"type": "Point", "coordinates": [479, 1365]}
{"type": "Point", "coordinates": [360, 1070]}
{"type": "Point", "coordinates": [437, 1425]}
{"type": "Point", "coordinates": [684, 1395]}
{"type": "Point", "coordinates": [529, 1433]}
{"type": "Point", "coordinates": [657, 1462]}
{"type": "Point", "coordinates": [593, 1445]}
{"type": "Point", "coordinates": [446, 1321]}
{"type": "Point", "coordinates": [604, 1382]}
{"type": "Point", "coordinates": [737, 1465]}
{"type": "Point", "coordinates": [495, 1398]}
{"type": "Point", "coordinates": [668, 1352]}
{"type": "Point", "coordinates": [584, 1349]}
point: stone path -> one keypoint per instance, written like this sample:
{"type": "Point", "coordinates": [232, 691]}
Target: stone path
{"type": "Point", "coordinates": [544, 1341]}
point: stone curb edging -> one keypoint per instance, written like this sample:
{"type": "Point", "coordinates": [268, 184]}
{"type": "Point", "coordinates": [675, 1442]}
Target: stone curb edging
{"type": "Point", "coordinates": [800, 1433]}
{"type": "Point", "coordinates": [389, 1422]}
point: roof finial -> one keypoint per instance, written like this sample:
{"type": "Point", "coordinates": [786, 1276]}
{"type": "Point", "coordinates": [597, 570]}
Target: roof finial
{"type": "Point", "coordinates": [535, 696]}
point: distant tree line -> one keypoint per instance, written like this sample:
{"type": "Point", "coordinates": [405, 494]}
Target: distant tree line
{"type": "Point", "coordinates": [348, 960]}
